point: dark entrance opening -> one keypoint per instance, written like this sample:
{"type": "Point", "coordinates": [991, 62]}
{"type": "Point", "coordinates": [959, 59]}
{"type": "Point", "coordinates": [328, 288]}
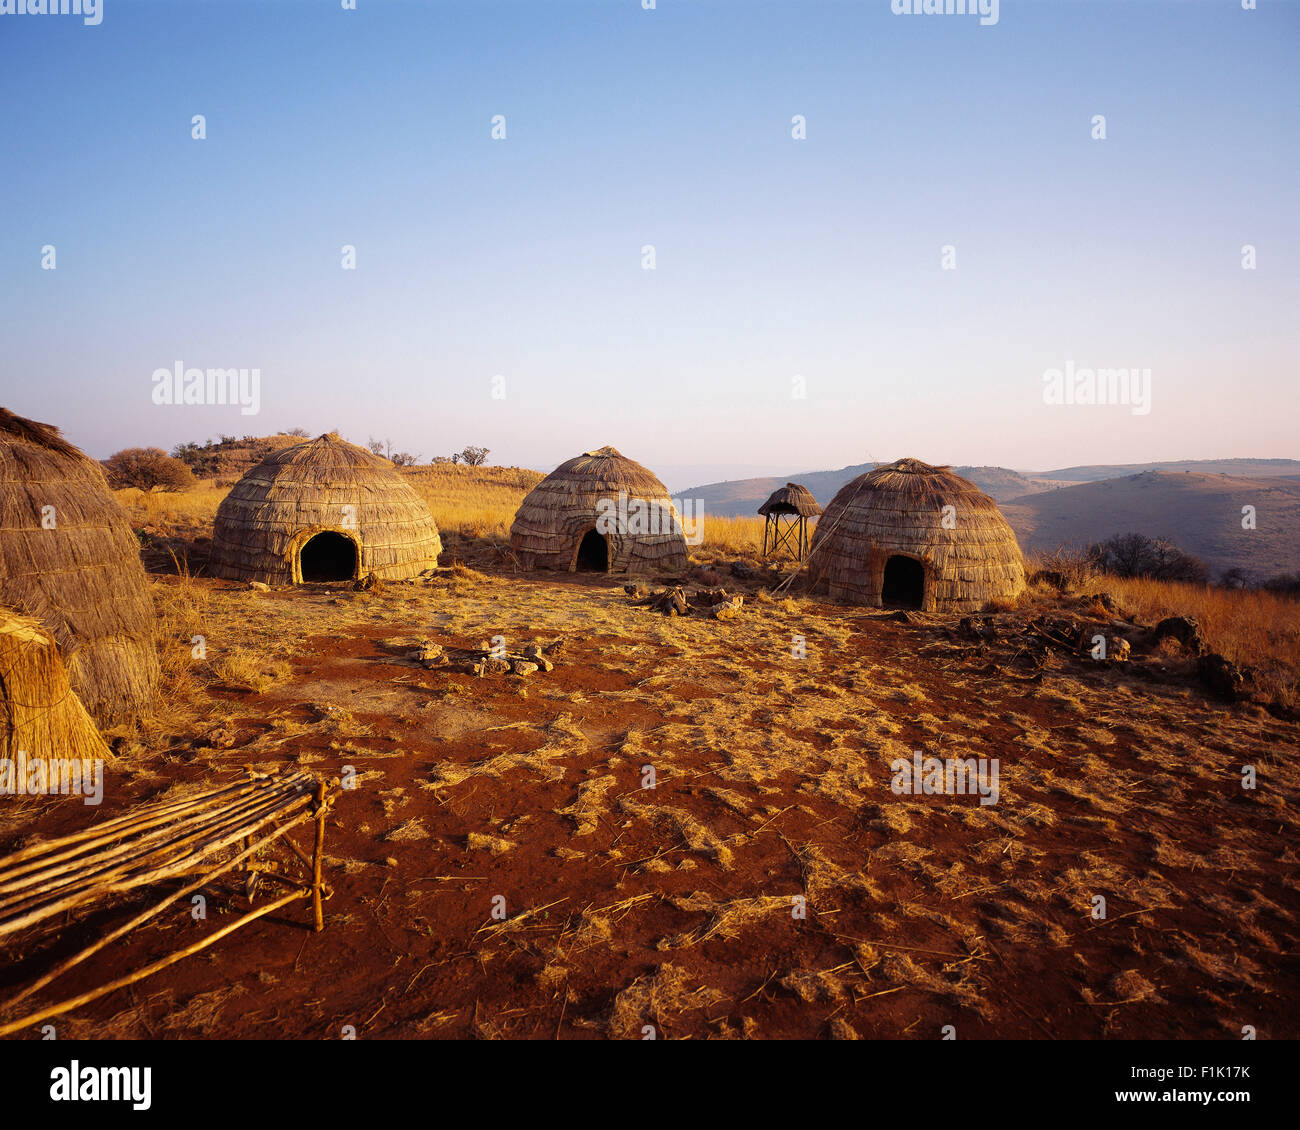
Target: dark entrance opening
{"type": "Point", "coordinates": [904, 585]}
{"type": "Point", "coordinates": [593, 553]}
{"type": "Point", "coordinates": [329, 557]}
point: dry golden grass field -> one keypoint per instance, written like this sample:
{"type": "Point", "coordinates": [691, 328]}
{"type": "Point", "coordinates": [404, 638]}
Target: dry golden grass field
{"type": "Point", "coordinates": [770, 884]}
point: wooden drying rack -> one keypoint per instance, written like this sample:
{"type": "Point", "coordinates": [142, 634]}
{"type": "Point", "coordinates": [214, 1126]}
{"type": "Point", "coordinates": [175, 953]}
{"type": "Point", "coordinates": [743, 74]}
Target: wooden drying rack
{"type": "Point", "coordinates": [194, 835]}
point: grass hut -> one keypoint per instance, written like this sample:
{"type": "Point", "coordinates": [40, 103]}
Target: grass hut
{"type": "Point", "coordinates": [40, 716]}
{"type": "Point", "coordinates": [795, 503]}
{"type": "Point", "coordinates": [70, 560]}
{"type": "Point", "coordinates": [914, 536]}
{"type": "Point", "coordinates": [324, 510]}
{"type": "Point", "coordinates": [601, 512]}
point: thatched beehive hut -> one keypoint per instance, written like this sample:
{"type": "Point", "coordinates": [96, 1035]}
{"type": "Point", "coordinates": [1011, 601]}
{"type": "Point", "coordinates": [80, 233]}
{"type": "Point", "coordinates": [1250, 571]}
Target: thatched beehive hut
{"type": "Point", "coordinates": [917, 536]}
{"type": "Point", "coordinates": [324, 510]}
{"type": "Point", "coordinates": [40, 716]}
{"type": "Point", "coordinates": [599, 511]}
{"type": "Point", "coordinates": [69, 559]}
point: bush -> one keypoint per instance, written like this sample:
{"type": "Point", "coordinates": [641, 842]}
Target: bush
{"type": "Point", "coordinates": [1136, 555]}
{"type": "Point", "coordinates": [150, 469]}
{"type": "Point", "coordinates": [1286, 584]}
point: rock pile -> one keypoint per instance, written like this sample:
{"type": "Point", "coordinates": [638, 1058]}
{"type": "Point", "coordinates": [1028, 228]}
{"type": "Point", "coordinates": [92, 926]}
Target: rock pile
{"type": "Point", "coordinates": [484, 661]}
{"type": "Point", "coordinates": [717, 604]}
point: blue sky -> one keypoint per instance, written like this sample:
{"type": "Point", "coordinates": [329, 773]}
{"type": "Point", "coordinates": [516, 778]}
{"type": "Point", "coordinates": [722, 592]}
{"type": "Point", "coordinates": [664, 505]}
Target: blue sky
{"type": "Point", "coordinates": [775, 258]}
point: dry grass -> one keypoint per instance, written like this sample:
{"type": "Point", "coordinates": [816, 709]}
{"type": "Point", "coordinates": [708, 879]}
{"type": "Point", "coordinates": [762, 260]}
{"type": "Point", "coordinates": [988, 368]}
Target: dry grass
{"type": "Point", "coordinates": [179, 512]}
{"type": "Point", "coordinates": [1258, 629]}
{"type": "Point", "coordinates": [475, 501]}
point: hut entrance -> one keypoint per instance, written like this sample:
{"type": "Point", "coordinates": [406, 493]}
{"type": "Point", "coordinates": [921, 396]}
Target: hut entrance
{"type": "Point", "coordinates": [904, 585]}
{"type": "Point", "coordinates": [328, 557]}
{"type": "Point", "coordinates": [593, 553]}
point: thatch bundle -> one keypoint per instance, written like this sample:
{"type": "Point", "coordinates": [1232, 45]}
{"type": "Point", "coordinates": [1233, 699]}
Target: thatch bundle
{"type": "Point", "coordinates": [40, 715]}
{"type": "Point", "coordinates": [793, 498]}
{"type": "Point", "coordinates": [69, 558]}
{"type": "Point", "coordinates": [328, 487]}
{"type": "Point", "coordinates": [888, 537]}
{"type": "Point", "coordinates": [599, 510]}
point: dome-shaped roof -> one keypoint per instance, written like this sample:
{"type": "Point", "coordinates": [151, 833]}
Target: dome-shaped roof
{"type": "Point", "coordinates": [908, 509]}
{"type": "Point", "coordinates": [605, 491]}
{"type": "Point", "coordinates": [70, 559]}
{"type": "Point", "coordinates": [323, 486]}
{"type": "Point", "coordinates": [793, 498]}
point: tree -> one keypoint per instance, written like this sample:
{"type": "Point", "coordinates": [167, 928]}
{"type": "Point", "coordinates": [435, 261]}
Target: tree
{"type": "Point", "coordinates": [301, 433]}
{"type": "Point", "coordinates": [474, 456]}
{"type": "Point", "coordinates": [384, 449]}
{"type": "Point", "coordinates": [1136, 555]}
{"type": "Point", "coordinates": [1234, 578]}
{"type": "Point", "coordinates": [148, 469]}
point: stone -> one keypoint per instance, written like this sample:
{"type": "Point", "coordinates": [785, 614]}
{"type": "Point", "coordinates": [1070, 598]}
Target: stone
{"type": "Point", "coordinates": [726, 609]}
{"type": "Point", "coordinates": [1221, 676]}
{"type": "Point", "coordinates": [495, 665]}
{"type": "Point", "coordinates": [259, 586]}
{"type": "Point", "coordinates": [533, 654]}
{"type": "Point", "coordinates": [522, 667]}
{"type": "Point", "coordinates": [1184, 629]}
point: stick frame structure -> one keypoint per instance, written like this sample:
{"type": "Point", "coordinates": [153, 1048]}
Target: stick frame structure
{"type": "Point", "coordinates": [229, 828]}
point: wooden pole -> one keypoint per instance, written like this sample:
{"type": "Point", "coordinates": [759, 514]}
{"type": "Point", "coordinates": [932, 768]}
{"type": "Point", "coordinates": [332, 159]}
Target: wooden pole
{"type": "Point", "coordinates": [148, 970]}
{"type": "Point", "coordinates": [318, 857]}
{"type": "Point", "coordinates": [76, 959]}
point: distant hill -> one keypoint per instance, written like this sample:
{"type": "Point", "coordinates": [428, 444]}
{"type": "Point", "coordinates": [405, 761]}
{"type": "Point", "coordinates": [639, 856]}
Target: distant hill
{"type": "Point", "coordinates": [1246, 468]}
{"type": "Point", "coordinates": [1198, 512]}
{"type": "Point", "coordinates": [228, 458]}
{"type": "Point", "coordinates": [744, 496]}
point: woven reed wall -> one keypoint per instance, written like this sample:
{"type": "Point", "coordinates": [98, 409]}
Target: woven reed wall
{"type": "Point", "coordinates": [558, 511]}
{"type": "Point", "coordinates": [82, 579]}
{"type": "Point", "coordinates": [898, 509]}
{"type": "Point", "coordinates": [40, 714]}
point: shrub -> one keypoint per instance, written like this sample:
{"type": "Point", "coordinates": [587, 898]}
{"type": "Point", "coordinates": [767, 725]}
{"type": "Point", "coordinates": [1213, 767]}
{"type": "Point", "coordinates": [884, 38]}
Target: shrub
{"type": "Point", "coordinates": [149, 469]}
{"type": "Point", "coordinates": [1136, 555]}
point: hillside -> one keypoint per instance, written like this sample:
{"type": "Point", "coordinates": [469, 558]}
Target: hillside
{"type": "Point", "coordinates": [1243, 468]}
{"type": "Point", "coordinates": [742, 497]}
{"type": "Point", "coordinates": [228, 459]}
{"type": "Point", "coordinates": [1199, 512]}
